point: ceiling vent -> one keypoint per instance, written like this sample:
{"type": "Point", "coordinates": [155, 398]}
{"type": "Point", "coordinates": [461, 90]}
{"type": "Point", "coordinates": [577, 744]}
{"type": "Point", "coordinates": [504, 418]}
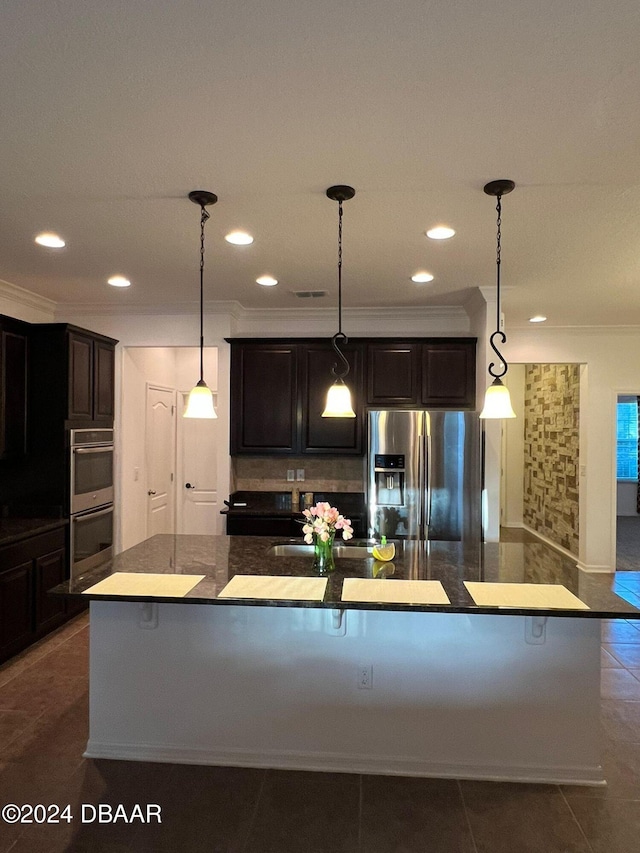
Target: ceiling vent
{"type": "Point", "coordinates": [309, 294]}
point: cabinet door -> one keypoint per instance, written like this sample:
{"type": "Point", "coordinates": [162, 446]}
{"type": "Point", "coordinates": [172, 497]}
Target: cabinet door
{"type": "Point", "coordinates": [392, 374]}
{"type": "Point", "coordinates": [330, 435]}
{"type": "Point", "coordinates": [80, 377]}
{"type": "Point", "coordinates": [16, 617]}
{"type": "Point", "coordinates": [264, 415]}
{"type": "Point", "coordinates": [13, 396]}
{"type": "Point", "coordinates": [448, 375]}
{"type": "Point", "coordinates": [103, 378]}
{"type": "Point", "coordinates": [50, 570]}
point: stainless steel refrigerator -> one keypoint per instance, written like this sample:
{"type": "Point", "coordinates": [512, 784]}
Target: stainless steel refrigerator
{"type": "Point", "coordinates": [424, 475]}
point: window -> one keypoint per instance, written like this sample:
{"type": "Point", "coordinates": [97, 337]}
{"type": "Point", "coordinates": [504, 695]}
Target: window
{"type": "Point", "coordinates": [627, 440]}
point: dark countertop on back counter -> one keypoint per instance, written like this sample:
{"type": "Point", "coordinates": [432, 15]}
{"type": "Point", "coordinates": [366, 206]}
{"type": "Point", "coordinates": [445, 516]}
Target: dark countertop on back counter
{"type": "Point", "coordinates": [250, 503]}
{"type": "Point", "coordinates": [219, 558]}
{"type": "Point", "coordinates": [16, 529]}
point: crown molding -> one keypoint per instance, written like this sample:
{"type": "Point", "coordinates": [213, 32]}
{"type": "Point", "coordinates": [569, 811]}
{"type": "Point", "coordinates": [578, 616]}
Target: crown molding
{"type": "Point", "coordinates": [26, 297]}
{"type": "Point", "coordinates": [231, 308]}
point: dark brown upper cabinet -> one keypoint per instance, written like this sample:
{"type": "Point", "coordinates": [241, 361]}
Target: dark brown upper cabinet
{"type": "Point", "coordinates": [76, 367]}
{"type": "Point", "coordinates": [392, 373]}
{"type": "Point", "coordinates": [278, 391]}
{"type": "Point", "coordinates": [449, 374]}
{"type": "Point", "coordinates": [264, 388]}
{"type": "Point", "coordinates": [13, 387]}
{"type": "Point", "coordinates": [437, 373]}
{"type": "Point", "coordinates": [329, 435]}
{"type": "Point", "coordinates": [91, 377]}
{"type": "Point", "coordinates": [279, 387]}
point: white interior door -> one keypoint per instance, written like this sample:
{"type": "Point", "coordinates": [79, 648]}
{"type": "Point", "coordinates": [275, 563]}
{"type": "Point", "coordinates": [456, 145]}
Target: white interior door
{"type": "Point", "coordinates": [197, 494]}
{"type": "Point", "coordinates": [160, 442]}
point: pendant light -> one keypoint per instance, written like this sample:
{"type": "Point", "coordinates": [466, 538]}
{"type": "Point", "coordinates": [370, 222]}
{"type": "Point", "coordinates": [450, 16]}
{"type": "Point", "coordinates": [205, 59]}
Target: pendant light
{"type": "Point", "coordinates": [200, 402]}
{"type": "Point", "coordinates": [497, 402]}
{"type": "Point", "coordinates": [338, 403]}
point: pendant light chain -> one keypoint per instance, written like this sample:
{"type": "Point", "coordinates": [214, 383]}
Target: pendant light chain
{"type": "Point", "coordinates": [340, 268]}
{"type": "Point", "coordinates": [340, 338]}
{"type": "Point", "coordinates": [498, 252]}
{"type": "Point", "coordinates": [498, 334]}
{"type": "Point", "coordinates": [204, 215]}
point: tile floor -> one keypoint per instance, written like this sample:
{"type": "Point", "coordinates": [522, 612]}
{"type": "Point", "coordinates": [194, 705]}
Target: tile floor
{"type": "Point", "coordinates": [43, 730]}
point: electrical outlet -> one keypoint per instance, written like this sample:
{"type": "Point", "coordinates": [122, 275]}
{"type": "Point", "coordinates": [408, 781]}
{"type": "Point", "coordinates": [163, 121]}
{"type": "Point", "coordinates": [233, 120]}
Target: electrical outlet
{"type": "Point", "coordinates": [291, 475]}
{"type": "Point", "coordinates": [300, 474]}
{"type": "Point", "coordinates": [365, 676]}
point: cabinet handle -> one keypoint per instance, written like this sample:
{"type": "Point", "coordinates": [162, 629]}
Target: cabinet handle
{"type": "Point", "coordinates": [189, 486]}
{"type": "Point", "coordinates": [151, 492]}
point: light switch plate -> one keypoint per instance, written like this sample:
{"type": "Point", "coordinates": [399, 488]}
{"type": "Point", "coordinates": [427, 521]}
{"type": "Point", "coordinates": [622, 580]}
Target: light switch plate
{"type": "Point", "coordinates": [291, 475]}
{"type": "Point", "coordinates": [300, 474]}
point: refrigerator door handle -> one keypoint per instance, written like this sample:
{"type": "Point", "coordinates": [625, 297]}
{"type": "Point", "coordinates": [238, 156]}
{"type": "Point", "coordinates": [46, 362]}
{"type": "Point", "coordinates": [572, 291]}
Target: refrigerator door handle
{"type": "Point", "coordinates": [427, 485]}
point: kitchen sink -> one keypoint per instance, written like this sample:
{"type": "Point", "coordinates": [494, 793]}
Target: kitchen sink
{"type": "Point", "coordinates": [358, 551]}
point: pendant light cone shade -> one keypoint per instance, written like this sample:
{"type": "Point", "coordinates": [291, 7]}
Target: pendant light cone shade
{"type": "Point", "coordinates": [200, 401]}
{"type": "Point", "coordinates": [338, 403]}
{"type": "Point", "coordinates": [497, 402]}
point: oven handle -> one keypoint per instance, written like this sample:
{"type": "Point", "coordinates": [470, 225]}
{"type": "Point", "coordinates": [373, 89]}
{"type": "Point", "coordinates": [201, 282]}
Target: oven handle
{"type": "Point", "coordinates": [101, 449]}
{"type": "Point", "coordinates": [84, 515]}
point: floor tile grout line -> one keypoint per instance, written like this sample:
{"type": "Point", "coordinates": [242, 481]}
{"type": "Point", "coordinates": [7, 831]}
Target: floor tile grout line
{"type": "Point", "coordinates": [466, 816]}
{"type": "Point", "coordinates": [577, 822]}
{"type": "Point", "coordinates": [254, 812]}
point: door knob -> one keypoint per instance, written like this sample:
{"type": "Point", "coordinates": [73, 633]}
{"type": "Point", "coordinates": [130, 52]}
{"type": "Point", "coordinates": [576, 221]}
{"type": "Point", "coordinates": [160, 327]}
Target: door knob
{"type": "Point", "coordinates": [189, 486]}
{"type": "Point", "coordinates": [151, 492]}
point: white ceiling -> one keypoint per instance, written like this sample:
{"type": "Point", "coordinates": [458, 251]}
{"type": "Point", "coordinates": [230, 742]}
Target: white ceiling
{"type": "Point", "coordinates": [111, 112]}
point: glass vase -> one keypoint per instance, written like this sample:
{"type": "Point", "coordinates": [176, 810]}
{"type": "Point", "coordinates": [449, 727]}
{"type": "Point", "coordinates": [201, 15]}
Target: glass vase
{"type": "Point", "coordinates": [323, 554]}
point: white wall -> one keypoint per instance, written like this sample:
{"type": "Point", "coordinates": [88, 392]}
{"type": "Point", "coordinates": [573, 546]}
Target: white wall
{"type": "Point", "coordinates": [513, 451]}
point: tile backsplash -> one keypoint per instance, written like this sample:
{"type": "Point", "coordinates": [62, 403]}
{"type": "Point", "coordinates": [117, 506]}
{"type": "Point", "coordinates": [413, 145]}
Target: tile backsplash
{"type": "Point", "coordinates": [269, 473]}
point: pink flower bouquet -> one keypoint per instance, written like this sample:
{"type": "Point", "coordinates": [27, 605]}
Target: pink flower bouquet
{"type": "Point", "coordinates": [323, 520]}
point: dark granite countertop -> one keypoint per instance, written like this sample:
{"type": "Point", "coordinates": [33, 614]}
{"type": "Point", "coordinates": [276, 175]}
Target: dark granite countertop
{"type": "Point", "coordinates": [15, 529]}
{"type": "Point", "coordinates": [219, 558]}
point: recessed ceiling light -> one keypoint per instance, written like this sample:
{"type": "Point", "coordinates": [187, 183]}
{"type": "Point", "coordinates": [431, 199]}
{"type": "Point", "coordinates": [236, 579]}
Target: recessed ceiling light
{"type": "Point", "coordinates": [422, 277]}
{"type": "Point", "coordinates": [267, 281]}
{"type": "Point", "coordinates": [239, 238]}
{"type": "Point", "coordinates": [51, 241]}
{"type": "Point", "coordinates": [440, 232]}
{"type": "Point", "coordinates": [119, 281]}
{"type": "Point", "coordinates": [539, 318]}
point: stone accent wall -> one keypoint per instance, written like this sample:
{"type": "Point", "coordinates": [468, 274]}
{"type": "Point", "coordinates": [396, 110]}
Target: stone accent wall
{"type": "Point", "coordinates": [551, 443]}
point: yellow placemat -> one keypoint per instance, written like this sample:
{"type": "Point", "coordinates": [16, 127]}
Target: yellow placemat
{"type": "Point", "coordinates": [137, 583]}
{"type": "Point", "coordinates": [275, 587]}
{"type": "Point", "coordinates": [542, 595]}
{"type": "Point", "coordinates": [394, 591]}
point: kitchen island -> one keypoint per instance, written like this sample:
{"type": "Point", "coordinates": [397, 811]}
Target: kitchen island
{"type": "Point", "coordinates": [436, 684]}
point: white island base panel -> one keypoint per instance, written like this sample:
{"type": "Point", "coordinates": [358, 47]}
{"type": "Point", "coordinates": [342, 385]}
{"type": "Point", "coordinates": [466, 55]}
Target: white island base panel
{"type": "Point", "coordinates": [451, 695]}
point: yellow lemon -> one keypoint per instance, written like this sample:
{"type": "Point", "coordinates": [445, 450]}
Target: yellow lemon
{"type": "Point", "coordinates": [384, 552]}
{"type": "Point", "coordinates": [382, 570]}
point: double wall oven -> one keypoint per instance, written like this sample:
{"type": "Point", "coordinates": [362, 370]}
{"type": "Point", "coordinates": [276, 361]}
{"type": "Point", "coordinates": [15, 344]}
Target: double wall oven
{"type": "Point", "coordinates": [90, 498]}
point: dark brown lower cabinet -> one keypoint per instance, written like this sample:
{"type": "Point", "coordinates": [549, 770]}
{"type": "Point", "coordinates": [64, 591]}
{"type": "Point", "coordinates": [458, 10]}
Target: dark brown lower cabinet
{"type": "Point", "coordinates": [16, 609]}
{"type": "Point", "coordinates": [49, 571]}
{"type": "Point", "coordinates": [28, 570]}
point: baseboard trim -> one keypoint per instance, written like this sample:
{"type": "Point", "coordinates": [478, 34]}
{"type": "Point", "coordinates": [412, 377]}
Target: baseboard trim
{"type": "Point", "coordinates": [341, 763]}
{"type": "Point", "coordinates": [564, 551]}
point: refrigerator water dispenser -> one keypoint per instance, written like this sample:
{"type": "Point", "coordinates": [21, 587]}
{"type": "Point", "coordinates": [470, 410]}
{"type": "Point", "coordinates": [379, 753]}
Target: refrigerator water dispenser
{"type": "Point", "coordinates": [389, 479]}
